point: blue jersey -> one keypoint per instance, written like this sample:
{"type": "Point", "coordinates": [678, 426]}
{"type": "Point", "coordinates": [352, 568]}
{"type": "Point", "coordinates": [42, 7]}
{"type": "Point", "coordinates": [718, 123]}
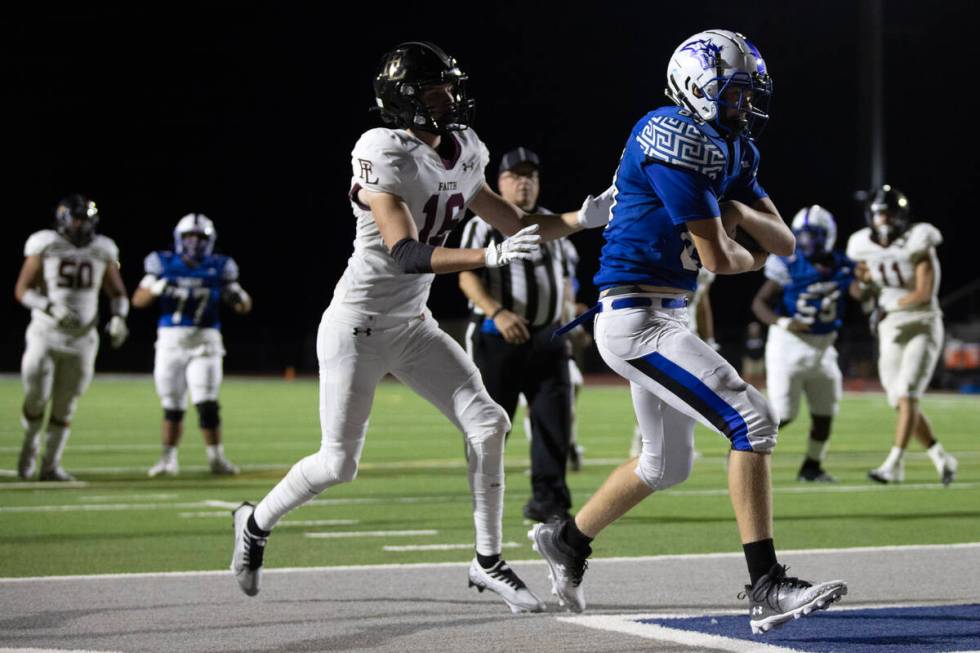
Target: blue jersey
{"type": "Point", "coordinates": [672, 170]}
{"type": "Point", "coordinates": [193, 295]}
{"type": "Point", "coordinates": [814, 294]}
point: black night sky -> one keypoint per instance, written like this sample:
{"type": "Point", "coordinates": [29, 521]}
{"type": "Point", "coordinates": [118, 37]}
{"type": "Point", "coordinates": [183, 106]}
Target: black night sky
{"type": "Point", "coordinates": [249, 114]}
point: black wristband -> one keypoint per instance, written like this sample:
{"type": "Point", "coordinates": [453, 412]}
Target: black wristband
{"type": "Point", "coordinates": [496, 312]}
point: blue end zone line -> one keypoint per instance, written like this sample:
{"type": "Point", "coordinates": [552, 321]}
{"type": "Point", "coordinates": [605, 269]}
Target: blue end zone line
{"type": "Point", "coordinates": [631, 624]}
{"type": "Point", "coordinates": [531, 561]}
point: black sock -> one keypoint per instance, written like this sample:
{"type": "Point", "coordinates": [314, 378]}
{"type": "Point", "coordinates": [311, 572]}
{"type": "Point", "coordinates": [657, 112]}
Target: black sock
{"type": "Point", "coordinates": [574, 538]}
{"type": "Point", "coordinates": [761, 557]}
{"type": "Point", "coordinates": [487, 562]}
{"type": "Point", "coordinates": [254, 529]}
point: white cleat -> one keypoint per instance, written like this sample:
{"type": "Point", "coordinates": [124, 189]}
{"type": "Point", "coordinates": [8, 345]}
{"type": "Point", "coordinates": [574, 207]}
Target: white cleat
{"type": "Point", "coordinates": [246, 559]}
{"type": "Point", "coordinates": [565, 567]}
{"type": "Point", "coordinates": [502, 580]}
{"type": "Point", "coordinates": [776, 599]}
{"type": "Point", "coordinates": [884, 474]}
{"type": "Point", "coordinates": [164, 466]}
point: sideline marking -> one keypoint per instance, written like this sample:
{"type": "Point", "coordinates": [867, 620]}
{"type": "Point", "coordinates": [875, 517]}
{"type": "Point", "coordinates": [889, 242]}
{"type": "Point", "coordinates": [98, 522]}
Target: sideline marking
{"type": "Point", "coordinates": [535, 561]}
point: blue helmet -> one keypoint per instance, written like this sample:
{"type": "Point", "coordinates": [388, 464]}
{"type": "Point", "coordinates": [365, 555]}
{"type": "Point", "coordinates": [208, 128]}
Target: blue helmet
{"type": "Point", "coordinates": [194, 236]}
{"type": "Point", "coordinates": [815, 230]}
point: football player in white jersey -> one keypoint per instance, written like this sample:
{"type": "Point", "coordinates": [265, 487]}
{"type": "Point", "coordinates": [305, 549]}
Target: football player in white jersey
{"type": "Point", "coordinates": [897, 264]}
{"type": "Point", "coordinates": [410, 186]}
{"type": "Point", "coordinates": [63, 270]}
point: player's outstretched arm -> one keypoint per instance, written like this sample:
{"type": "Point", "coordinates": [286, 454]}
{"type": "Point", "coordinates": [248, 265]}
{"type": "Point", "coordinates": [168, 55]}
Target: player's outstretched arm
{"type": "Point", "coordinates": [400, 235]}
{"type": "Point", "coordinates": [510, 219]}
{"type": "Point", "coordinates": [763, 222]}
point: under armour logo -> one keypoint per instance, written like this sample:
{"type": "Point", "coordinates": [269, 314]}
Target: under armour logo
{"type": "Point", "coordinates": [757, 609]}
{"type": "Point", "coordinates": [366, 331]}
{"type": "Point", "coordinates": [366, 169]}
{"type": "Point", "coordinates": [468, 165]}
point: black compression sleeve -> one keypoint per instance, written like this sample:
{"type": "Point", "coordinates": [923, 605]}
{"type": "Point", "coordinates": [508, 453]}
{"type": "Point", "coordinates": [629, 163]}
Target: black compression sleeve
{"type": "Point", "coordinates": [412, 256]}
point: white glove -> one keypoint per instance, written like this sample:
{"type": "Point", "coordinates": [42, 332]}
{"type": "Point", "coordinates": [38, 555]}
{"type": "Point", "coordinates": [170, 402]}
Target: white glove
{"type": "Point", "coordinates": [596, 211]}
{"type": "Point", "coordinates": [158, 287]}
{"type": "Point", "coordinates": [117, 330]}
{"type": "Point", "coordinates": [64, 316]}
{"type": "Point", "coordinates": [520, 246]}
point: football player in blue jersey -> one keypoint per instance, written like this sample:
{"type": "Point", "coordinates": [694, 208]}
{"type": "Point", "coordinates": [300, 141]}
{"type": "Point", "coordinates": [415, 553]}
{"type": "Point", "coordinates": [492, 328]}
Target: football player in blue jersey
{"type": "Point", "coordinates": [686, 196]}
{"type": "Point", "coordinates": [803, 301]}
{"type": "Point", "coordinates": [190, 284]}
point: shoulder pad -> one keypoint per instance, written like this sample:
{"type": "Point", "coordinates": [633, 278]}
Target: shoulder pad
{"type": "Point", "coordinates": [679, 142]}
{"type": "Point", "coordinates": [40, 241]}
{"type": "Point", "coordinates": [858, 244]}
{"type": "Point", "coordinates": [777, 269]}
{"type": "Point", "coordinates": [922, 236]}
{"type": "Point", "coordinates": [153, 263]}
{"type": "Point", "coordinates": [107, 247]}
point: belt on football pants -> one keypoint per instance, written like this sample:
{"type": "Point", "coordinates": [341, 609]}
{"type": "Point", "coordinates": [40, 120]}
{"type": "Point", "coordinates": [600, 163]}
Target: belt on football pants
{"type": "Point", "coordinates": [623, 302]}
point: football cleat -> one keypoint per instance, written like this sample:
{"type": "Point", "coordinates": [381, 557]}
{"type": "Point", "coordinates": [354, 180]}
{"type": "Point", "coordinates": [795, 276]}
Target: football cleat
{"type": "Point", "coordinates": [501, 579]}
{"type": "Point", "coordinates": [565, 567]}
{"type": "Point", "coordinates": [895, 474]}
{"type": "Point", "coordinates": [948, 475]}
{"type": "Point", "coordinates": [776, 598]}
{"type": "Point", "coordinates": [223, 467]}
{"type": "Point", "coordinates": [537, 512]}
{"type": "Point", "coordinates": [57, 474]}
{"type": "Point", "coordinates": [165, 466]}
{"type": "Point", "coordinates": [814, 474]}
{"type": "Point", "coordinates": [246, 559]}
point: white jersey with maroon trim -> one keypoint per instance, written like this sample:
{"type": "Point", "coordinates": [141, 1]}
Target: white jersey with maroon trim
{"type": "Point", "coordinates": [893, 267]}
{"type": "Point", "coordinates": [71, 275]}
{"type": "Point", "coordinates": [436, 191]}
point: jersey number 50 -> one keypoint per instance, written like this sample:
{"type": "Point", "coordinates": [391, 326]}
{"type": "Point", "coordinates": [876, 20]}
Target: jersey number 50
{"type": "Point", "coordinates": [75, 274]}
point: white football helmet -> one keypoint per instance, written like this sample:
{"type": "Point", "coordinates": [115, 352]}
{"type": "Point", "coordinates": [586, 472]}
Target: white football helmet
{"type": "Point", "coordinates": [705, 65]}
{"type": "Point", "coordinates": [815, 230]}
{"type": "Point", "coordinates": [199, 225]}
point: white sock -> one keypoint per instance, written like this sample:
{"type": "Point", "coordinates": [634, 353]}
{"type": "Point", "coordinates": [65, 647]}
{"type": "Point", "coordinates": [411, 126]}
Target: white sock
{"type": "Point", "coordinates": [290, 493]}
{"type": "Point", "coordinates": [215, 452]}
{"type": "Point", "coordinates": [938, 456]}
{"type": "Point", "coordinates": [816, 449]}
{"type": "Point", "coordinates": [894, 457]}
{"type": "Point", "coordinates": [169, 453]}
{"type": "Point", "coordinates": [54, 445]}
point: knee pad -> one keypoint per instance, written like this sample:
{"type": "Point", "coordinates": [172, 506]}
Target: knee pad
{"type": "Point", "coordinates": [659, 474]}
{"type": "Point", "coordinates": [172, 415]}
{"type": "Point", "coordinates": [58, 421]}
{"type": "Point", "coordinates": [762, 423]}
{"type": "Point", "coordinates": [485, 441]}
{"type": "Point", "coordinates": [327, 468]}
{"type": "Point", "coordinates": [208, 416]}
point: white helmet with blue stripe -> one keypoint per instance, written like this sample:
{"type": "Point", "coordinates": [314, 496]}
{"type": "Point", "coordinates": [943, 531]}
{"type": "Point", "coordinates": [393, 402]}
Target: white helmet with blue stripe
{"type": "Point", "coordinates": [815, 230]}
{"type": "Point", "coordinates": [202, 229]}
{"type": "Point", "coordinates": [712, 62]}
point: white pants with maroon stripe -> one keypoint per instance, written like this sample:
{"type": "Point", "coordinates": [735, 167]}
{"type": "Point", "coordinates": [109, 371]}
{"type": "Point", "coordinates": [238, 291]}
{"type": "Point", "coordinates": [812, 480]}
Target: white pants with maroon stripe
{"type": "Point", "coordinates": [355, 352]}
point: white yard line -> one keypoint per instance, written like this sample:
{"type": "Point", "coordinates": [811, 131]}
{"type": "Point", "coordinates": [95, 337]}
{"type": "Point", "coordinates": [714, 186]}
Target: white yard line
{"type": "Point", "coordinates": [354, 534]}
{"type": "Point", "coordinates": [441, 547]}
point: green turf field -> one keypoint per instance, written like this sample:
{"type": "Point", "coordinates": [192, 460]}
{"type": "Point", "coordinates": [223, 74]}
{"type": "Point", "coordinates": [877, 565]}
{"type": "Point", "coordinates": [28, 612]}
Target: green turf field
{"type": "Point", "coordinates": [413, 478]}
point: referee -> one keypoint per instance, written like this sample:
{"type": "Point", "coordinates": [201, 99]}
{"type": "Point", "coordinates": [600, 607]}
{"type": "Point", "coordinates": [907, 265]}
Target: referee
{"type": "Point", "coordinates": [514, 311]}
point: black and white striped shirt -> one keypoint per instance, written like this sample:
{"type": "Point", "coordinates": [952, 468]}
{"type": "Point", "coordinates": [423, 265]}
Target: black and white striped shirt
{"type": "Point", "coordinates": [533, 289]}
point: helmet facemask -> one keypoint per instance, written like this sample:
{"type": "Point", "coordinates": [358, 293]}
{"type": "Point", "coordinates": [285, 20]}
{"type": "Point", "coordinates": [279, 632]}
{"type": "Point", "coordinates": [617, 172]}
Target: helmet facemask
{"type": "Point", "coordinates": [717, 73]}
{"type": "Point", "coordinates": [194, 237]}
{"type": "Point", "coordinates": [76, 218]}
{"type": "Point", "coordinates": [400, 87]}
{"type": "Point", "coordinates": [888, 214]}
{"type": "Point", "coordinates": [816, 232]}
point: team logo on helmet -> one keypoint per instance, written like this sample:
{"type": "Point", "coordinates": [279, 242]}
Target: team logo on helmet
{"type": "Point", "coordinates": [706, 52]}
